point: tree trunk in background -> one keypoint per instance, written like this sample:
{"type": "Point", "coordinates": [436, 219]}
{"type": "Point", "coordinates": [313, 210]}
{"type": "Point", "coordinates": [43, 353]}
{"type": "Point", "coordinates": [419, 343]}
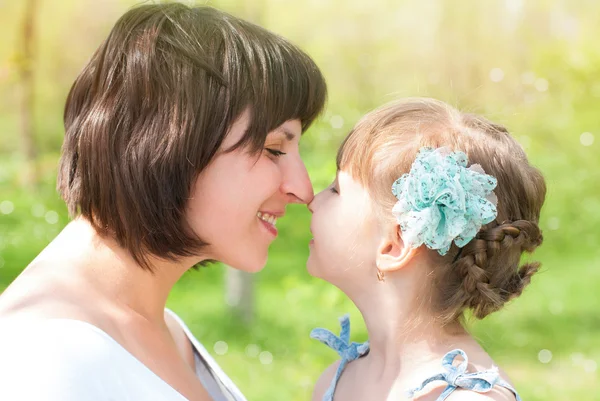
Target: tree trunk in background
{"type": "Point", "coordinates": [240, 294]}
{"type": "Point", "coordinates": [25, 68]}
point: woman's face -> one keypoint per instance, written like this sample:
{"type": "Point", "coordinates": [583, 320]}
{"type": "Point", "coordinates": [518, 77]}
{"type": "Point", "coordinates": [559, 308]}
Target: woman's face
{"type": "Point", "coordinates": [237, 199]}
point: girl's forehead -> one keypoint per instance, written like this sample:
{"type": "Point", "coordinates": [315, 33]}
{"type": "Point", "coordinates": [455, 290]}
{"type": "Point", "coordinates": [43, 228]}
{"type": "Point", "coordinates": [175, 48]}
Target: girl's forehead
{"type": "Point", "coordinates": [350, 184]}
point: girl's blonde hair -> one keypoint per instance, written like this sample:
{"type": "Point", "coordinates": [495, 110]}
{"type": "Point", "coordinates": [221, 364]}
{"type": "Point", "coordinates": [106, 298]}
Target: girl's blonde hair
{"type": "Point", "coordinates": [484, 274]}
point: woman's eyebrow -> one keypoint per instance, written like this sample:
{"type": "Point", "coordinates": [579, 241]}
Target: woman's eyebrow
{"type": "Point", "coordinates": [289, 135]}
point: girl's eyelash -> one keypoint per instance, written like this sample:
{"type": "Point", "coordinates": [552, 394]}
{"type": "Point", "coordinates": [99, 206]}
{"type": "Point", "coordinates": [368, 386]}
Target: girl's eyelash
{"type": "Point", "coordinates": [332, 189]}
{"type": "Point", "coordinates": [275, 152]}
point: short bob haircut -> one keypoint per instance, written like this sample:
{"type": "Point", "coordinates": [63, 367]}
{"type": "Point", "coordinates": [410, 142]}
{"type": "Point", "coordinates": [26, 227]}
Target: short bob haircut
{"type": "Point", "coordinates": [151, 108]}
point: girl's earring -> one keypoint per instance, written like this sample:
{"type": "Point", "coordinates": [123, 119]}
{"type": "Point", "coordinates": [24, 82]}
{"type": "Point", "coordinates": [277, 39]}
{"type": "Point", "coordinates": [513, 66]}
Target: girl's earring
{"type": "Point", "coordinates": [380, 275]}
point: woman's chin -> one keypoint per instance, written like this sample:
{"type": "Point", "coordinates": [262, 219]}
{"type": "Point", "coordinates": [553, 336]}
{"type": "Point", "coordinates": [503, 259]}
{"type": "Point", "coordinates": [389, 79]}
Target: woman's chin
{"type": "Point", "coordinates": [249, 265]}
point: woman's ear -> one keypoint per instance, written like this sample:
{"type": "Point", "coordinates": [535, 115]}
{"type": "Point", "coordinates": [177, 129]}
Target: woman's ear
{"type": "Point", "coordinates": [393, 254]}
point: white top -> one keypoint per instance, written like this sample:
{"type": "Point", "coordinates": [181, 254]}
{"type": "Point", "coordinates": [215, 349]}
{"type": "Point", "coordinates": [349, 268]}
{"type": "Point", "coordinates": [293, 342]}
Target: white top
{"type": "Point", "coordinates": [72, 360]}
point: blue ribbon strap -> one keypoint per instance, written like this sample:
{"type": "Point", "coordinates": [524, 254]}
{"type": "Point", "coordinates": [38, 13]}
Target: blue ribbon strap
{"type": "Point", "coordinates": [341, 344]}
{"type": "Point", "coordinates": [457, 377]}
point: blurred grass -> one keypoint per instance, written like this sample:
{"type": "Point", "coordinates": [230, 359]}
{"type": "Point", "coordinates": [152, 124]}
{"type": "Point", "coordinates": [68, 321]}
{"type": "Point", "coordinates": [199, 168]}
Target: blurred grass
{"type": "Point", "coordinates": [548, 95]}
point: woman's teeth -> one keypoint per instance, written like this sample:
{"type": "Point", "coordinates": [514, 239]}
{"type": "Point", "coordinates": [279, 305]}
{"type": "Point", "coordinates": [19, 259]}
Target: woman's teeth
{"type": "Point", "coordinates": [267, 217]}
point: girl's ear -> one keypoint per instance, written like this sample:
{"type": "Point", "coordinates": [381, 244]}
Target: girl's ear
{"type": "Point", "coordinates": [393, 254]}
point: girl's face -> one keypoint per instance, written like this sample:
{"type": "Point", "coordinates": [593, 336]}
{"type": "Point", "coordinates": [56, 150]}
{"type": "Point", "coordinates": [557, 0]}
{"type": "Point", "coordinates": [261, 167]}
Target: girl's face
{"type": "Point", "coordinates": [345, 230]}
{"type": "Point", "coordinates": [237, 199]}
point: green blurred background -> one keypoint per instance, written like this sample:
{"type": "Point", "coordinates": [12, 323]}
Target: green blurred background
{"type": "Point", "coordinates": [532, 65]}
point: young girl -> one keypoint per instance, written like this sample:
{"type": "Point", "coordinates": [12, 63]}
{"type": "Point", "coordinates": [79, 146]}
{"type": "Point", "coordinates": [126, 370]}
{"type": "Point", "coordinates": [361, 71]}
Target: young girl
{"type": "Point", "coordinates": [426, 220]}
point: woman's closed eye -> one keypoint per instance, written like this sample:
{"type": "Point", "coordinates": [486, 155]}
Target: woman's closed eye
{"type": "Point", "coordinates": [275, 152]}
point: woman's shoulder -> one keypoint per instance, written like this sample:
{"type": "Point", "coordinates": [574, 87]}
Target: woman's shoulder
{"type": "Point", "coordinates": [41, 339]}
{"type": "Point", "coordinates": [53, 359]}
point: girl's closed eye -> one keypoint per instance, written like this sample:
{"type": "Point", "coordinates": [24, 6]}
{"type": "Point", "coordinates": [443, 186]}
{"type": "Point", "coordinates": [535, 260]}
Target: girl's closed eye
{"type": "Point", "coordinates": [333, 187]}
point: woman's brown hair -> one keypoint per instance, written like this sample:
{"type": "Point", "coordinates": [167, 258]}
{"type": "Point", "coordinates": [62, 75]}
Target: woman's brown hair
{"type": "Point", "coordinates": [151, 108]}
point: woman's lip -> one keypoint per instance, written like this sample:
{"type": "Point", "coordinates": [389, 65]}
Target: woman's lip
{"type": "Point", "coordinates": [311, 242]}
{"type": "Point", "coordinates": [275, 214]}
{"type": "Point", "coordinates": [270, 228]}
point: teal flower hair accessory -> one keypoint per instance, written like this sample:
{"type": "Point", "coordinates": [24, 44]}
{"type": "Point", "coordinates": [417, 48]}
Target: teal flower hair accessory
{"type": "Point", "coordinates": [441, 200]}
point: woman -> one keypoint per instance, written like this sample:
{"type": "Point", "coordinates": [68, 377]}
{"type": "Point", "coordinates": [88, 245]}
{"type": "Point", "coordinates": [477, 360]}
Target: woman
{"type": "Point", "coordinates": [181, 147]}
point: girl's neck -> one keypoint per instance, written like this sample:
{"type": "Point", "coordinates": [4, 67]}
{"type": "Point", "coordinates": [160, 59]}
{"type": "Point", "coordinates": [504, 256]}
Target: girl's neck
{"type": "Point", "coordinates": [406, 342]}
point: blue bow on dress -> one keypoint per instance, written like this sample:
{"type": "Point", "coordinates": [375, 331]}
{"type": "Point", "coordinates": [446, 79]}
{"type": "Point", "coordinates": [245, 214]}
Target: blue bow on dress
{"type": "Point", "coordinates": [347, 350]}
{"type": "Point", "coordinates": [457, 377]}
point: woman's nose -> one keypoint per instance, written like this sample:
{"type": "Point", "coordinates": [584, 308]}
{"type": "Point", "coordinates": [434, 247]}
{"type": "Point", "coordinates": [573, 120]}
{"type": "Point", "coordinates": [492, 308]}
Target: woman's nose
{"type": "Point", "coordinates": [296, 183]}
